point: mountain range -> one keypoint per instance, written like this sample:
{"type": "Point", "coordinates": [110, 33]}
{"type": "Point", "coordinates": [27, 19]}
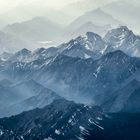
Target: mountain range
{"type": "Point", "coordinates": [71, 73]}
{"type": "Point", "coordinates": [73, 90]}
{"type": "Point", "coordinates": [124, 39]}
{"type": "Point", "coordinates": [83, 65]}
{"type": "Point", "coordinates": [63, 119]}
{"type": "Point", "coordinates": [42, 32]}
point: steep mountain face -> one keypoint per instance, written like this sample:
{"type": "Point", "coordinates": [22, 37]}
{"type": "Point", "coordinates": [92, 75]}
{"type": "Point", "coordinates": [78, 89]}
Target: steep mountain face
{"type": "Point", "coordinates": [63, 119]}
{"type": "Point", "coordinates": [78, 76]}
{"type": "Point", "coordinates": [90, 45]}
{"type": "Point", "coordinates": [82, 80]}
{"type": "Point", "coordinates": [81, 77]}
{"type": "Point", "coordinates": [60, 120]}
{"type": "Point", "coordinates": [124, 39]}
{"type": "Point", "coordinates": [96, 17]}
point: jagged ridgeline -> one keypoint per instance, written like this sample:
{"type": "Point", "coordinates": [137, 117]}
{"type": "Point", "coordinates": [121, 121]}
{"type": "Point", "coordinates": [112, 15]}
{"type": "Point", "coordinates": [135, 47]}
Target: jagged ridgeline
{"type": "Point", "coordinates": [88, 87]}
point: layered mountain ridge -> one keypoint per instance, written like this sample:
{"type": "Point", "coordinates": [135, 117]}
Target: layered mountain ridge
{"type": "Point", "coordinates": [63, 119]}
{"type": "Point", "coordinates": [87, 68]}
{"type": "Point", "coordinates": [66, 92]}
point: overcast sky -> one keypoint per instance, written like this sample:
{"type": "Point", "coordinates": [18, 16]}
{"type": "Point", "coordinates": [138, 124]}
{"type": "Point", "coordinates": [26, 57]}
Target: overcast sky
{"type": "Point", "coordinates": [60, 11]}
{"type": "Point", "coordinates": [6, 5]}
{"type": "Point", "coordinates": [56, 10]}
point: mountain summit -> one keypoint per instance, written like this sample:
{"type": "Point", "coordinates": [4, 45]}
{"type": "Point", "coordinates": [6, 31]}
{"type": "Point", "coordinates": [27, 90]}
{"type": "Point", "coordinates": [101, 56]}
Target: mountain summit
{"type": "Point", "coordinates": [124, 39]}
{"type": "Point", "coordinates": [89, 45]}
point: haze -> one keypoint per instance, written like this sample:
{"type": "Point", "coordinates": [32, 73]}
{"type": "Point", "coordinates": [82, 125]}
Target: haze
{"type": "Point", "coordinates": [20, 10]}
{"type": "Point", "coordinates": [63, 18]}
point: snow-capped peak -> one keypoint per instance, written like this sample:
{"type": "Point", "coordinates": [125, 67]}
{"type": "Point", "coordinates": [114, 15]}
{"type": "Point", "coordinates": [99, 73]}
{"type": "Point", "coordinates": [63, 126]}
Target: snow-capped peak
{"type": "Point", "coordinates": [123, 39]}
{"type": "Point", "coordinates": [85, 46]}
{"type": "Point", "coordinates": [94, 42]}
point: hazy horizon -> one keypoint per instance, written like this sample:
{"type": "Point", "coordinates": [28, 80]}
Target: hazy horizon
{"type": "Point", "coordinates": [63, 12]}
{"type": "Point", "coordinates": [64, 20]}
{"type": "Point", "coordinates": [22, 10]}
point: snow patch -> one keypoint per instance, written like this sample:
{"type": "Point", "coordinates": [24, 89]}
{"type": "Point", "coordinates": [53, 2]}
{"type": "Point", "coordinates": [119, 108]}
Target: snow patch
{"type": "Point", "coordinates": [92, 122]}
{"type": "Point", "coordinates": [57, 132]}
{"type": "Point", "coordinates": [81, 128]}
{"type": "Point", "coordinates": [86, 56]}
{"type": "Point", "coordinates": [95, 75]}
{"type": "Point", "coordinates": [1, 132]}
{"type": "Point", "coordinates": [70, 120]}
{"type": "Point", "coordinates": [22, 137]}
{"type": "Point", "coordinates": [99, 118]}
